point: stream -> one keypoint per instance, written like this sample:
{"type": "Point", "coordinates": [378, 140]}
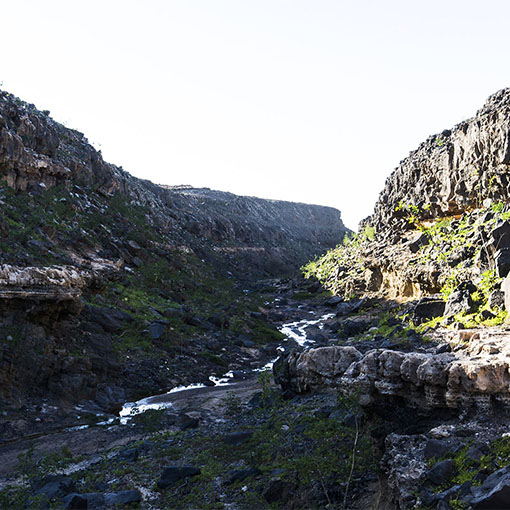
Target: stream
{"type": "Point", "coordinates": [295, 332]}
{"type": "Point", "coordinates": [117, 430]}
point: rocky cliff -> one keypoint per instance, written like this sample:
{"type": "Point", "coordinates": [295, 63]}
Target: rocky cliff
{"type": "Point", "coordinates": [453, 171]}
{"type": "Point", "coordinates": [419, 329]}
{"type": "Point", "coordinates": [37, 153]}
{"type": "Point", "coordinates": [441, 219]}
{"type": "Point", "coordinates": [112, 285]}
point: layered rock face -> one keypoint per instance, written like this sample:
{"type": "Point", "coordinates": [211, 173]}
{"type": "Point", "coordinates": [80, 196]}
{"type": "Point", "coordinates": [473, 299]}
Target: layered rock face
{"type": "Point", "coordinates": [453, 171]}
{"type": "Point", "coordinates": [105, 278]}
{"type": "Point", "coordinates": [442, 215]}
{"type": "Point", "coordinates": [476, 374]}
{"type": "Point", "coordinates": [225, 217]}
{"type": "Point", "coordinates": [427, 355]}
{"type": "Point", "coordinates": [267, 235]}
{"type": "Point", "coordinates": [440, 224]}
{"type": "Point", "coordinates": [49, 283]}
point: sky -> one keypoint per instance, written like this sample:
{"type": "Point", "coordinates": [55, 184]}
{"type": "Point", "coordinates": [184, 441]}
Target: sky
{"type": "Point", "coordinates": [312, 101]}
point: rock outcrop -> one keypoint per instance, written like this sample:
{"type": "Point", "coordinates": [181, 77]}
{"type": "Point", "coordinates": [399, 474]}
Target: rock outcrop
{"type": "Point", "coordinates": [441, 218]}
{"type": "Point", "coordinates": [453, 171]}
{"type": "Point", "coordinates": [37, 153]}
{"type": "Point", "coordinates": [432, 361]}
{"type": "Point", "coordinates": [106, 280]}
{"type": "Point", "coordinates": [475, 375]}
{"type": "Point", "coordinates": [47, 283]}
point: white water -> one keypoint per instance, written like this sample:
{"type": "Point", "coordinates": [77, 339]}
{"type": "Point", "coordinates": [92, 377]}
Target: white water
{"type": "Point", "coordinates": [131, 409]}
{"type": "Point", "coordinates": [296, 330]}
{"type": "Point", "coordinates": [293, 330]}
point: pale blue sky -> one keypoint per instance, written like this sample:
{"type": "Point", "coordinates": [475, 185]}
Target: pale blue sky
{"type": "Point", "coordinates": [312, 101]}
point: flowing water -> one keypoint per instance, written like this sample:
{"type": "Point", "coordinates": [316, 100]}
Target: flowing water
{"type": "Point", "coordinates": [293, 331]}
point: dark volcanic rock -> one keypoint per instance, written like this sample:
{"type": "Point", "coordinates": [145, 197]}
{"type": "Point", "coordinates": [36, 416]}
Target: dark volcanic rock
{"type": "Point", "coordinates": [277, 490]}
{"type": "Point", "coordinates": [122, 498]}
{"type": "Point", "coordinates": [436, 448]}
{"type": "Point", "coordinates": [75, 501]}
{"type": "Point", "coordinates": [241, 474]}
{"type": "Point", "coordinates": [499, 238]}
{"type": "Point", "coordinates": [440, 173]}
{"type": "Point", "coordinates": [428, 307]}
{"type": "Point", "coordinates": [53, 486]}
{"type": "Point", "coordinates": [156, 330]}
{"type": "Point", "coordinates": [497, 299]}
{"type": "Point", "coordinates": [334, 301]}
{"type": "Point", "coordinates": [460, 300]}
{"type": "Point", "coordinates": [457, 492]}
{"type": "Point", "coordinates": [494, 492]}
{"type": "Point", "coordinates": [173, 474]}
{"type": "Point", "coordinates": [109, 319]}
{"type": "Point", "coordinates": [129, 455]}
{"type": "Point", "coordinates": [502, 262]}
{"type": "Point", "coordinates": [441, 472]}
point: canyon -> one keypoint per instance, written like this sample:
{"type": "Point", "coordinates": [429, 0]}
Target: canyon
{"type": "Point", "coordinates": [160, 347]}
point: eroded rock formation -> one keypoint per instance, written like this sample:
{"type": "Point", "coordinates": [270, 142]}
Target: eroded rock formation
{"type": "Point", "coordinates": [476, 374]}
{"type": "Point", "coordinates": [105, 278]}
{"type": "Point", "coordinates": [453, 171]}
{"type": "Point", "coordinates": [46, 283]}
{"type": "Point", "coordinates": [441, 217]}
{"type": "Point", "coordinates": [37, 153]}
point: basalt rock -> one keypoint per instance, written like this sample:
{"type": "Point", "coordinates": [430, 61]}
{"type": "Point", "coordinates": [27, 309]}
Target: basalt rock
{"type": "Point", "coordinates": [95, 263]}
{"type": "Point", "coordinates": [404, 472]}
{"type": "Point", "coordinates": [173, 474]}
{"type": "Point", "coordinates": [441, 217]}
{"type": "Point", "coordinates": [246, 233]}
{"type": "Point", "coordinates": [460, 300]}
{"type": "Point", "coordinates": [454, 170]}
{"type": "Point", "coordinates": [494, 492]}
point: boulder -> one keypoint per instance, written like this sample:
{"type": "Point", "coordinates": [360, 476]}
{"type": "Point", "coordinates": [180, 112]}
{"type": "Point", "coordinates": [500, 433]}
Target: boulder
{"type": "Point", "coordinates": [419, 240]}
{"type": "Point", "coordinates": [497, 299]}
{"type": "Point", "coordinates": [122, 498]}
{"type": "Point", "coordinates": [355, 326]}
{"type": "Point", "coordinates": [502, 262]}
{"type": "Point", "coordinates": [436, 448]}
{"type": "Point", "coordinates": [87, 501]}
{"type": "Point", "coordinates": [460, 300]}
{"type": "Point", "coordinates": [494, 492]}
{"type": "Point", "coordinates": [185, 421]}
{"type": "Point", "coordinates": [427, 308]}
{"type": "Point", "coordinates": [441, 472]}
{"type": "Point", "coordinates": [129, 455]}
{"type": "Point", "coordinates": [442, 348]}
{"type": "Point", "coordinates": [238, 475]}
{"type": "Point", "coordinates": [334, 301]}
{"type": "Point", "coordinates": [173, 474]}
{"type": "Point", "coordinates": [277, 490]}
{"type": "Point", "coordinates": [111, 320]}
{"type": "Point", "coordinates": [322, 366]}
{"type": "Point", "coordinates": [499, 237]}
{"type": "Point", "coordinates": [53, 487]}
{"type": "Point", "coordinates": [157, 329]}
{"type": "Point", "coordinates": [457, 492]}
